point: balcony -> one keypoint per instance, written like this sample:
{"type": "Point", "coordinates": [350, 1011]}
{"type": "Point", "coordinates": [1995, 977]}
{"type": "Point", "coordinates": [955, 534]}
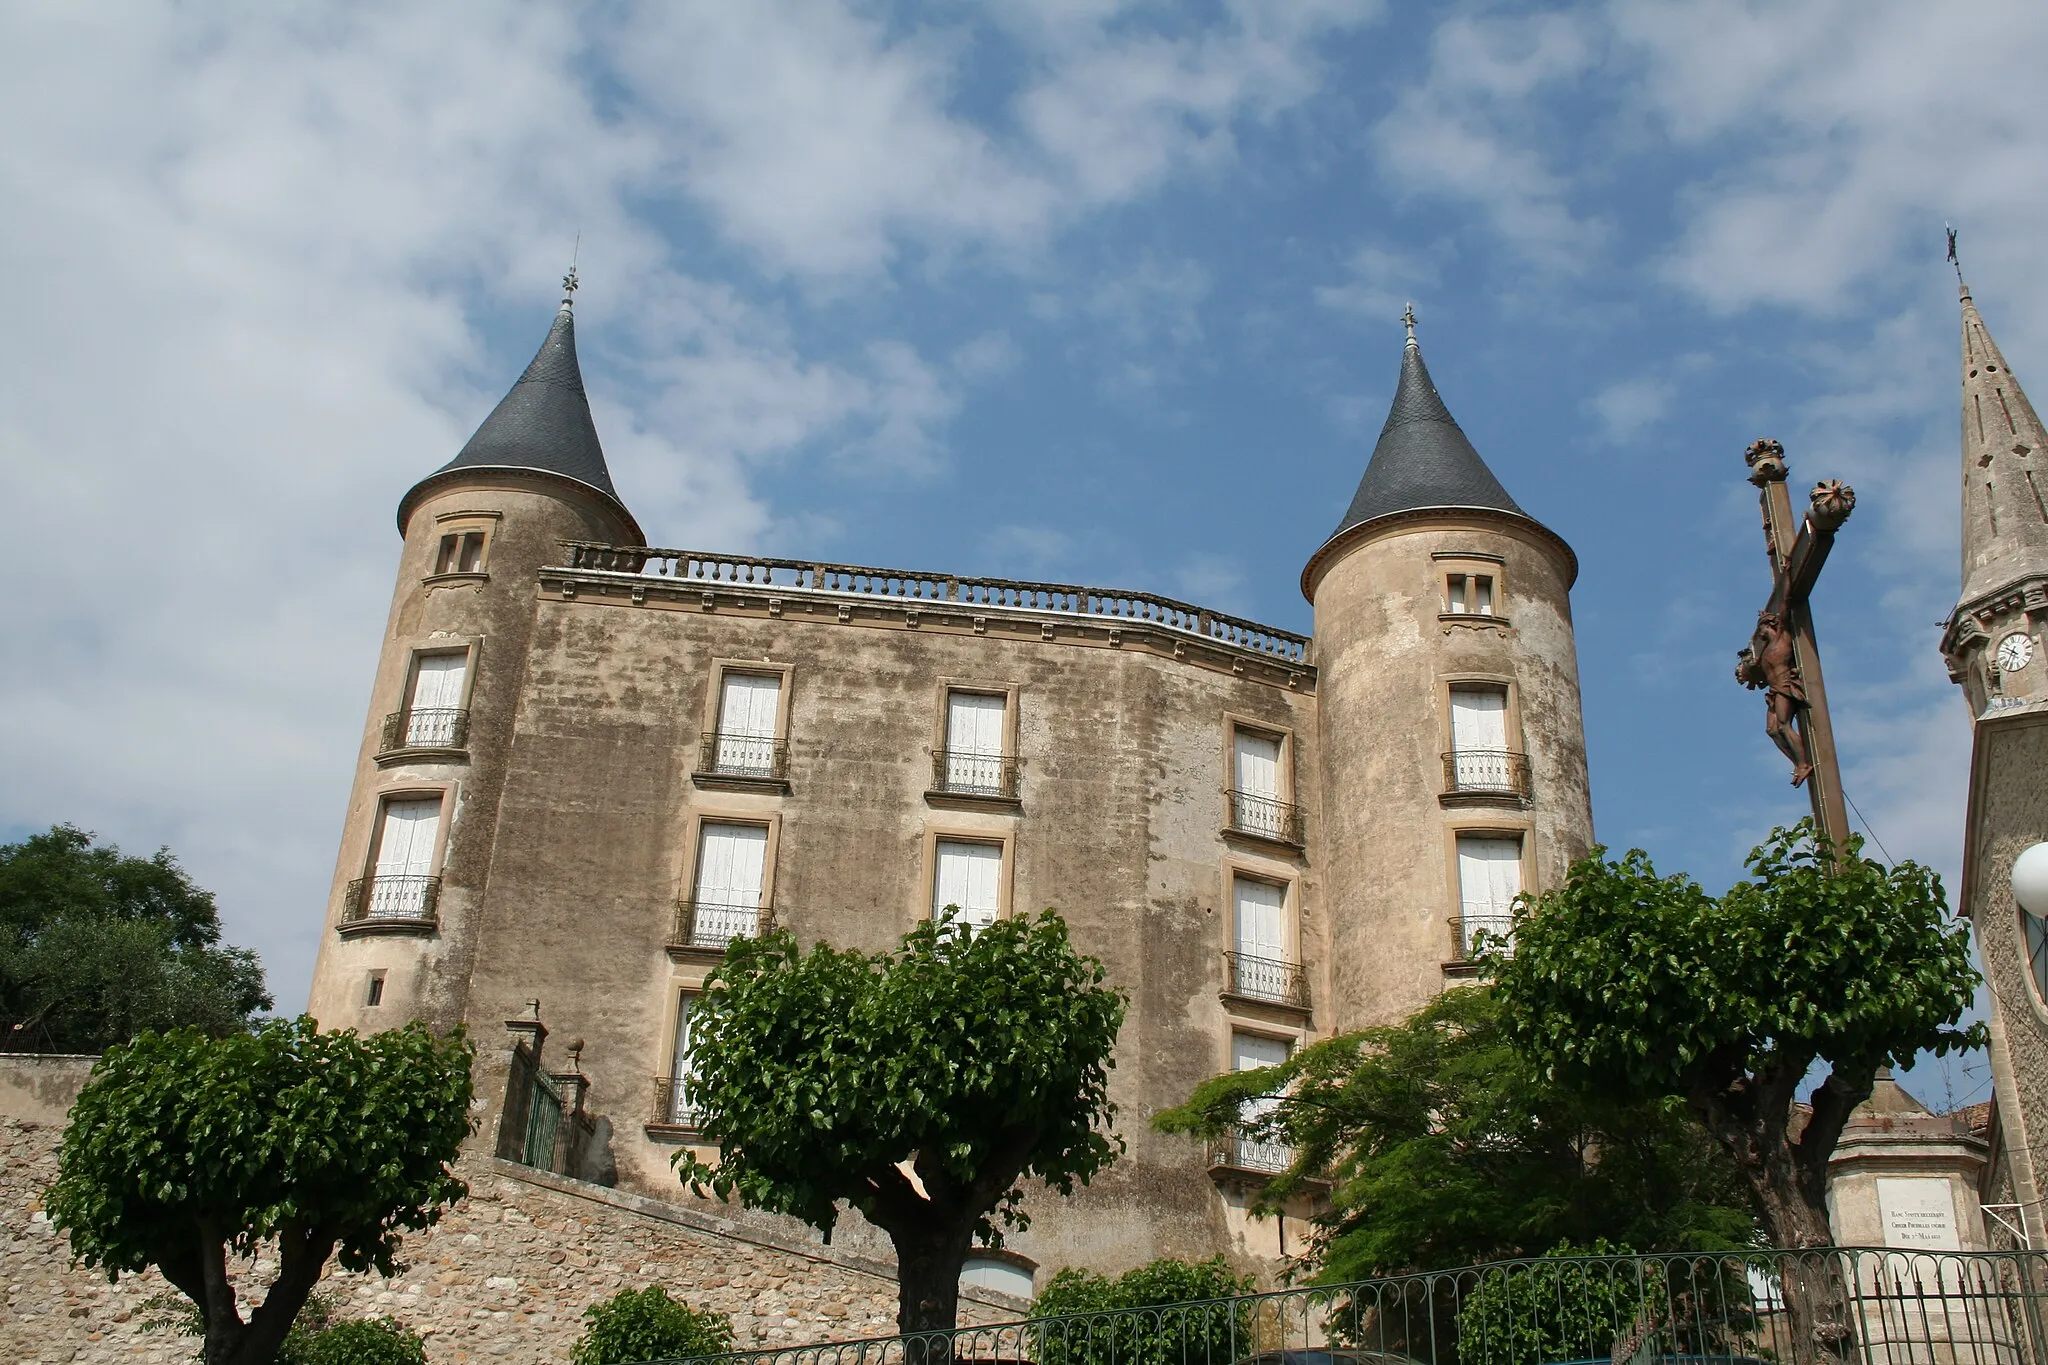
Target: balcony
{"type": "Point", "coordinates": [708, 926]}
{"type": "Point", "coordinates": [1239, 1153]}
{"type": "Point", "coordinates": [439, 728]}
{"type": "Point", "coordinates": [672, 1117]}
{"type": "Point", "coordinates": [748, 762]}
{"type": "Point", "coordinates": [1465, 932]}
{"type": "Point", "coordinates": [1268, 980]}
{"type": "Point", "coordinates": [974, 779]}
{"type": "Point", "coordinates": [389, 904]}
{"type": "Point", "coordinates": [1484, 777]}
{"type": "Point", "coordinates": [1265, 817]}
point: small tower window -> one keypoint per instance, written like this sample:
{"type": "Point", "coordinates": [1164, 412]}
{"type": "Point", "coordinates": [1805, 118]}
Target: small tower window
{"type": "Point", "coordinates": [373, 993]}
{"type": "Point", "coordinates": [461, 552]}
{"type": "Point", "coordinates": [1468, 593]}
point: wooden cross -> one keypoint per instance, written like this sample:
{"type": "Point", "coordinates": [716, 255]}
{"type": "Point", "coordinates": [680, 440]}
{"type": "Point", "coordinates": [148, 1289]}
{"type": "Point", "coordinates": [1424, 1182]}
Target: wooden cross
{"type": "Point", "coordinates": [1783, 658]}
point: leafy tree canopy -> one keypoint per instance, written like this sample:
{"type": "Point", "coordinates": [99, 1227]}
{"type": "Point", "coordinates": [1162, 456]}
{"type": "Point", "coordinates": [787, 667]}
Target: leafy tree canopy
{"type": "Point", "coordinates": [96, 946]}
{"type": "Point", "coordinates": [646, 1324]}
{"type": "Point", "coordinates": [1444, 1146]}
{"type": "Point", "coordinates": [1646, 987]}
{"type": "Point", "coordinates": [1196, 1317]}
{"type": "Point", "coordinates": [979, 1060]}
{"type": "Point", "coordinates": [184, 1149]}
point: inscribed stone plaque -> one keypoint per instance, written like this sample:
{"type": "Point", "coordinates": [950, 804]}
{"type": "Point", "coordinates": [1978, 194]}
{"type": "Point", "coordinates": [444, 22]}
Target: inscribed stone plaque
{"type": "Point", "coordinates": [1919, 1213]}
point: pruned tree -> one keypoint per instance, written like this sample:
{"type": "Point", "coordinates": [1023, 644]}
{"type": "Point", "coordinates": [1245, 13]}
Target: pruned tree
{"type": "Point", "coordinates": [922, 1087]}
{"type": "Point", "coordinates": [1443, 1145]}
{"type": "Point", "coordinates": [1643, 986]}
{"type": "Point", "coordinates": [185, 1150]}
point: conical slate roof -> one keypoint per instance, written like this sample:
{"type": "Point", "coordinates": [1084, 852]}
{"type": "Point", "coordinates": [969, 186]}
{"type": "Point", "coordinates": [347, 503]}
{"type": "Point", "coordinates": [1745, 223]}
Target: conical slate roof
{"type": "Point", "coordinates": [2005, 467]}
{"type": "Point", "coordinates": [1423, 458]}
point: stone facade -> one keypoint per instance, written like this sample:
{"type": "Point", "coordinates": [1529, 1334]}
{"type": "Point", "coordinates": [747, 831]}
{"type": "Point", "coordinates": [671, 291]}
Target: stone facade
{"type": "Point", "coordinates": [506, 1275]}
{"type": "Point", "coordinates": [573, 808]}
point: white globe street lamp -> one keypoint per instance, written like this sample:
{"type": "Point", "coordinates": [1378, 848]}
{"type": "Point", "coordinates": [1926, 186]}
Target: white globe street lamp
{"type": "Point", "coordinates": [2030, 880]}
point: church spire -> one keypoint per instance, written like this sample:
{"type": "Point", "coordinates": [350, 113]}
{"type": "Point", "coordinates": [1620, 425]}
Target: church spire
{"type": "Point", "coordinates": [2005, 467]}
{"type": "Point", "coordinates": [543, 424]}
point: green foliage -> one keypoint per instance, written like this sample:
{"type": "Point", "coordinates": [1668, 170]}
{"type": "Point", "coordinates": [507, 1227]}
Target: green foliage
{"type": "Point", "coordinates": [183, 1149]}
{"type": "Point", "coordinates": [983, 1058]}
{"type": "Point", "coordinates": [1186, 1321]}
{"type": "Point", "coordinates": [170, 1311]}
{"type": "Point", "coordinates": [1445, 1146]}
{"type": "Point", "coordinates": [96, 947]}
{"type": "Point", "coordinates": [1562, 1308]}
{"type": "Point", "coordinates": [649, 1325]}
{"type": "Point", "coordinates": [368, 1341]}
{"type": "Point", "coordinates": [1646, 984]}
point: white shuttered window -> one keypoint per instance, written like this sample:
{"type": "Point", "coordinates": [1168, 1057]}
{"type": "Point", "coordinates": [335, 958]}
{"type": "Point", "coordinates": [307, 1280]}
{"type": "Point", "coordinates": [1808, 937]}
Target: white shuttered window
{"type": "Point", "coordinates": [731, 869]}
{"type": "Point", "coordinates": [682, 1067]}
{"type": "Point", "coordinates": [431, 719]}
{"type": "Point", "coordinates": [1249, 1052]}
{"type": "Point", "coordinates": [1479, 739]}
{"type": "Point", "coordinates": [406, 836]}
{"type": "Point", "coordinates": [969, 876]}
{"type": "Point", "coordinates": [749, 704]}
{"type": "Point", "coordinates": [1260, 909]}
{"type": "Point", "coordinates": [974, 742]}
{"type": "Point", "coordinates": [1489, 879]}
{"type": "Point", "coordinates": [1255, 777]}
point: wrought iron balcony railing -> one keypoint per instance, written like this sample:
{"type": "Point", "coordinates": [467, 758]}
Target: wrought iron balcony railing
{"type": "Point", "coordinates": [1466, 929]}
{"type": "Point", "coordinates": [972, 774]}
{"type": "Point", "coordinates": [1237, 1150]}
{"type": "Point", "coordinates": [714, 924]}
{"type": "Point", "coordinates": [1268, 978]}
{"type": "Point", "coordinates": [762, 757]}
{"type": "Point", "coordinates": [1265, 817]}
{"type": "Point", "coordinates": [426, 727]}
{"type": "Point", "coordinates": [1488, 772]}
{"type": "Point", "coordinates": [671, 1106]}
{"type": "Point", "coordinates": [381, 896]}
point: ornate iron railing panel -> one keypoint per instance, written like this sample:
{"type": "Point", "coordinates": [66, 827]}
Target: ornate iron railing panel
{"type": "Point", "coordinates": [1493, 772]}
{"type": "Point", "coordinates": [749, 571]}
{"type": "Point", "coordinates": [672, 1108]}
{"type": "Point", "coordinates": [1466, 929]}
{"type": "Point", "coordinates": [380, 896]}
{"type": "Point", "coordinates": [1245, 1150]}
{"type": "Point", "coordinates": [1265, 817]}
{"type": "Point", "coordinates": [714, 924]}
{"type": "Point", "coordinates": [760, 757]}
{"type": "Point", "coordinates": [426, 727]}
{"type": "Point", "coordinates": [1268, 978]}
{"type": "Point", "coordinates": [1827, 1307]}
{"type": "Point", "coordinates": [975, 774]}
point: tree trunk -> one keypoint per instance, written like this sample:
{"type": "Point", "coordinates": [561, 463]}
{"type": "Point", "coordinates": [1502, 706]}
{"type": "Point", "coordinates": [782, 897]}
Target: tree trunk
{"type": "Point", "coordinates": [1794, 1211]}
{"type": "Point", "coordinates": [928, 1264]}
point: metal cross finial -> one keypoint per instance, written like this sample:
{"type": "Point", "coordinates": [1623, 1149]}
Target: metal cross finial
{"type": "Point", "coordinates": [569, 287]}
{"type": "Point", "coordinates": [1408, 321]}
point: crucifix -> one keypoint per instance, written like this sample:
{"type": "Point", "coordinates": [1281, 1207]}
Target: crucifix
{"type": "Point", "coordinates": [1783, 658]}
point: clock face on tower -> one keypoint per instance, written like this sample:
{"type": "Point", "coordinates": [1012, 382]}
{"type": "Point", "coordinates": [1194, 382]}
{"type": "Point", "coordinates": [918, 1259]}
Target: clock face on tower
{"type": "Point", "coordinates": [2014, 651]}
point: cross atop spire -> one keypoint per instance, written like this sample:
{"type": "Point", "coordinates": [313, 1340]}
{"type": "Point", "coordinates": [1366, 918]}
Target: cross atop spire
{"type": "Point", "coordinates": [569, 287]}
{"type": "Point", "coordinates": [1408, 321]}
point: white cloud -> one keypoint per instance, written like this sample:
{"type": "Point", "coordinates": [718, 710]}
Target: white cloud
{"type": "Point", "coordinates": [1378, 282]}
{"type": "Point", "coordinates": [1629, 407]}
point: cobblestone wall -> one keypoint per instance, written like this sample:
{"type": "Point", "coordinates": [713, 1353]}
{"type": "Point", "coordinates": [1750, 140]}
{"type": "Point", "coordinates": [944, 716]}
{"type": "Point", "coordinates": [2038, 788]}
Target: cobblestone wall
{"type": "Point", "coordinates": [505, 1276]}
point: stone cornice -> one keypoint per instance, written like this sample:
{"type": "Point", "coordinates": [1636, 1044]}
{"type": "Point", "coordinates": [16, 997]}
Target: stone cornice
{"type": "Point", "coordinates": [1972, 616]}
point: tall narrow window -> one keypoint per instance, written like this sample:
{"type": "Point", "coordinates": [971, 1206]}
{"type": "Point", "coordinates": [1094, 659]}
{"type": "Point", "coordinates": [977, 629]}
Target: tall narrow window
{"type": "Point", "coordinates": [1250, 1052]}
{"type": "Point", "coordinates": [675, 1107]}
{"type": "Point", "coordinates": [726, 904]}
{"type": "Point", "coordinates": [1255, 804]}
{"type": "Point", "coordinates": [403, 884]}
{"type": "Point", "coordinates": [1479, 759]}
{"type": "Point", "coordinates": [968, 876]}
{"type": "Point", "coordinates": [1454, 592]}
{"type": "Point", "coordinates": [373, 991]}
{"type": "Point", "coordinates": [434, 718]}
{"type": "Point", "coordinates": [461, 552]}
{"type": "Point", "coordinates": [1489, 879]}
{"type": "Point", "coordinates": [1482, 594]}
{"type": "Point", "coordinates": [974, 760]}
{"type": "Point", "coordinates": [1261, 969]}
{"type": "Point", "coordinates": [749, 705]}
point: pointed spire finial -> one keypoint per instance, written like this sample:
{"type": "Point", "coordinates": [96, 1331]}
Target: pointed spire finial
{"type": "Point", "coordinates": [1408, 321]}
{"type": "Point", "coordinates": [569, 280]}
{"type": "Point", "coordinates": [1956, 261]}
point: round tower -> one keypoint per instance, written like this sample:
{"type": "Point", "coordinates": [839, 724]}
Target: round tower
{"type": "Point", "coordinates": [403, 917]}
{"type": "Point", "coordinates": [1453, 755]}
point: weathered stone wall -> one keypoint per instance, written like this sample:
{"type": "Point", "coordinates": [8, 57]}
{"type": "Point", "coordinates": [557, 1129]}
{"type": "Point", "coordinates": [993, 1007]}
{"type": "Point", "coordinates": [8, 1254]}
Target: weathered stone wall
{"type": "Point", "coordinates": [506, 1275]}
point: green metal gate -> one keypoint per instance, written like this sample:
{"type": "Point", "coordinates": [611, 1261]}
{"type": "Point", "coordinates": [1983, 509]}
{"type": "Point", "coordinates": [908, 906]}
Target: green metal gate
{"type": "Point", "coordinates": [543, 1121]}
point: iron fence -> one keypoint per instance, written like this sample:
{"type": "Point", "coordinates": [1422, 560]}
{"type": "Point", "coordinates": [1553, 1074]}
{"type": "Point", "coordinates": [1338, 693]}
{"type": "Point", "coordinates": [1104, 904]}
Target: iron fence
{"type": "Point", "coordinates": [963, 773]}
{"type": "Point", "coordinates": [714, 924]}
{"type": "Point", "coordinates": [1265, 817]}
{"type": "Point", "coordinates": [1244, 1151]}
{"type": "Point", "coordinates": [761, 757]}
{"type": "Point", "coordinates": [1833, 1307]}
{"type": "Point", "coordinates": [381, 896]}
{"type": "Point", "coordinates": [1268, 978]}
{"type": "Point", "coordinates": [425, 727]}
{"type": "Point", "coordinates": [1486, 772]}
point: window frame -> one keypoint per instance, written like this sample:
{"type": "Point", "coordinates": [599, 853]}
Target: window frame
{"type": "Point", "coordinates": [1012, 695]}
{"type": "Point", "coordinates": [928, 881]}
{"type": "Point", "coordinates": [692, 858]}
{"type": "Point", "coordinates": [1469, 565]}
{"type": "Point", "coordinates": [1285, 777]}
{"type": "Point", "coordinates": [713, 704]}
{"type": "Point", "coordinates": [471, 648]}
{"type": "Point", "coordinates": [1457, 962]}
{"type": "Point", "coordinates": [456, 525]}
{"type": "Point", "coordinates": [365, 862]}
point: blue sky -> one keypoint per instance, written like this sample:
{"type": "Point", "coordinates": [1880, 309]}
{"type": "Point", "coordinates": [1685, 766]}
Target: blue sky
{"type": "Point", "coordinates": [1072, 289]}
